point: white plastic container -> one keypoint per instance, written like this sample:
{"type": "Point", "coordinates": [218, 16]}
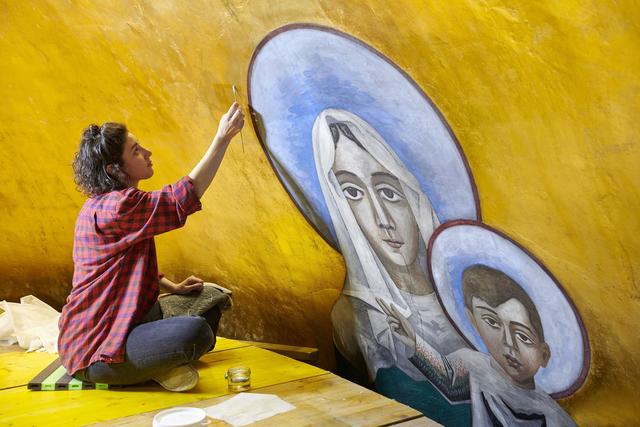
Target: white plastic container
{"type": "Point", "coordinates": [180, 417]}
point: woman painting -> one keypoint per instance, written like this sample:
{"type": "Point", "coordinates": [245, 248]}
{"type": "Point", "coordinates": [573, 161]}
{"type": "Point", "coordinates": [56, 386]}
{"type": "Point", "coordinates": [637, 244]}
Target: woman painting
{"type": "Point", "coordinates": [383, 222]}
{"type": "Point", "coordinates": [111, 328]}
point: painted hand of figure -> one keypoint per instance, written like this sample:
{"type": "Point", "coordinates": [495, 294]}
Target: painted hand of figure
{"type": "Point", "coordinates": [399, 324]}
{"type": "Point", "coordinates": [190, 284]}
{"type": "Point", "coordinates": [231, 122]}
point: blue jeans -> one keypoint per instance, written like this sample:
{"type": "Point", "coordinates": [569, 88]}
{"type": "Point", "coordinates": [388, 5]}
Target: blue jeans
{"type": "Point", "coordinates": [157, 345]}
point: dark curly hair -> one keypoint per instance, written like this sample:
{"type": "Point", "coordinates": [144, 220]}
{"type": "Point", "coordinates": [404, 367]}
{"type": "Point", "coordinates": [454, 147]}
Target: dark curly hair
{"type": "Point", "coordinates": [101, 146]}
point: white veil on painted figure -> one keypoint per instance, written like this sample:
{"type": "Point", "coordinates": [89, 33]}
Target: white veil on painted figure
{"type": "Point", "coordinates": [367, 278]}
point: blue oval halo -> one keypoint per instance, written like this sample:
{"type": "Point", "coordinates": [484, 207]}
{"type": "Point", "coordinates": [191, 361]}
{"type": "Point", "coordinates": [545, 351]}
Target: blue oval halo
{"type": "Point", "coordinates": [458, 245]}
{"type": "Point", "coordinates": [300, 70]}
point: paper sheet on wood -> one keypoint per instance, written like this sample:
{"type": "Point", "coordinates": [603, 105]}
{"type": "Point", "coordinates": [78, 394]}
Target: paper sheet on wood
{"type": "Point", "coordinates": [246, 408]}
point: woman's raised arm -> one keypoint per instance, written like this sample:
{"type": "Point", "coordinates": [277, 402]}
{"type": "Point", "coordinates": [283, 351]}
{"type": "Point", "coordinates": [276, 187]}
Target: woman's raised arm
{"type": "Point", "coordinates": [230, 124]}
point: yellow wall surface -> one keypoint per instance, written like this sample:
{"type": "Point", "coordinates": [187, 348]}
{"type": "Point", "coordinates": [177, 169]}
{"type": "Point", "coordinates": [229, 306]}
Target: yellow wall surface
{"type": "Point", "coordinates": [544, 98]}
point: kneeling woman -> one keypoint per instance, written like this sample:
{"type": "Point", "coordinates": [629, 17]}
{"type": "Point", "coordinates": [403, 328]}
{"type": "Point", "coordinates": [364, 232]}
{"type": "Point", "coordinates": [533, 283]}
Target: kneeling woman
{"type": "Point", "coordinates": [111, 328]}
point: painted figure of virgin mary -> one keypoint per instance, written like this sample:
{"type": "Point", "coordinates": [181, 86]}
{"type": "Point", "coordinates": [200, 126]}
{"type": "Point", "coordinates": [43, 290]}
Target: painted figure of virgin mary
{"type": "Point", "coordinates": [383, 222]}
{"type": "Point", "coordinates": [390, 172]}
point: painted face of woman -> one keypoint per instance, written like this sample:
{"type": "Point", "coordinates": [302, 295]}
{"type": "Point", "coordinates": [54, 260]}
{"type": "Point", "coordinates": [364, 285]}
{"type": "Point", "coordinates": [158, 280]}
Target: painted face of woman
{"type": "Point", "coordinates": [378, 204]}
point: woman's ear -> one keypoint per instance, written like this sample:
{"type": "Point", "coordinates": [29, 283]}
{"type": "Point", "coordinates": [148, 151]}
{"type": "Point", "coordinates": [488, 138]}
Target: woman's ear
{"type": "Point", "coordinates": [110, 170]}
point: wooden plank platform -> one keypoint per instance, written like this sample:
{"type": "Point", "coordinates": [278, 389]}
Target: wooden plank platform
{"type": "Point", "coordinates": [323, 400]}
{"type": "Point", "coordinates": [68, 408]}
{"type": "Point", "coordinates": [18, 367]}
{"type": "Point", "coordinates": [228, 344]}
{"type": "Point", "coordinates": [305, 354]}
{"type": "Point", "coordinates": [320, 397]}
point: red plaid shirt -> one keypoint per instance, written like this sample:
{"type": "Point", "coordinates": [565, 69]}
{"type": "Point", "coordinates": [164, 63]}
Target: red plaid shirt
{"type": "Point", "coordinates": [115, 278]}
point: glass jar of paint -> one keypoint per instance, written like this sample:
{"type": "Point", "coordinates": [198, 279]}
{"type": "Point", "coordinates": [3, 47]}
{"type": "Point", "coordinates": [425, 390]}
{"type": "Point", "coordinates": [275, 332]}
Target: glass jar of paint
{"type": "Point", "coordinates": [238, 378]}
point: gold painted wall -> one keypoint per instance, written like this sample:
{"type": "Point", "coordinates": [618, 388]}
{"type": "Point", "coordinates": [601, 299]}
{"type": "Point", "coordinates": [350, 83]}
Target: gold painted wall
{"type": "Point", "coordinates": [543, 96]}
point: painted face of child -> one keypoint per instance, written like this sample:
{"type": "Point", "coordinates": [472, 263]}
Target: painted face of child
{"type": "Point", "coordinates": [136, 160]}
{"type": "Point", "coordinates": [378, 204]}
{"type": "Point", "coordinates": [510, 338]}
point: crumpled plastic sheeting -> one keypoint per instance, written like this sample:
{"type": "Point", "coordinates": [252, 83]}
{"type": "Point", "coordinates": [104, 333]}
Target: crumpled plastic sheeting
{"type": "Point", "coordinates": [31, 323]}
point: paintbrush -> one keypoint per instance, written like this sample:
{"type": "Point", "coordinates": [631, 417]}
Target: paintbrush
{"type": "Point", "coordinates": [235, 97]}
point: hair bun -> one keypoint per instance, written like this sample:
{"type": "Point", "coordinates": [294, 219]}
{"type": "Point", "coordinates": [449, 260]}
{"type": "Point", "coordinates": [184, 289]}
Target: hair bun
{"type": "Point", "coordinates": [92, 132]}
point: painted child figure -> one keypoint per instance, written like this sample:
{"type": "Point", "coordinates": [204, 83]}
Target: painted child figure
{"type": "Point", "coordinates": [501, 384]}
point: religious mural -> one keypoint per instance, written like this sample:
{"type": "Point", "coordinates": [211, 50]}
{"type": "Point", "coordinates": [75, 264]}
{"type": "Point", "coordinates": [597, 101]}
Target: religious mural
{"type": "Point", "coordinates": [438, 310]}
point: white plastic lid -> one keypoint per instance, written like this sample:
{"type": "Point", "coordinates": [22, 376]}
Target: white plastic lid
{"type": "Point", "coordinates": [180, 417]}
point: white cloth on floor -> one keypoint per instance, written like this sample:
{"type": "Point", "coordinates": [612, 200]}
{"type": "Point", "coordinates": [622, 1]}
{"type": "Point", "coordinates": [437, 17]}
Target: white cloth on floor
{"type": "Point", "coordinates": [246, 408]}
{"type": "Point", "coordinates": [31, 323]}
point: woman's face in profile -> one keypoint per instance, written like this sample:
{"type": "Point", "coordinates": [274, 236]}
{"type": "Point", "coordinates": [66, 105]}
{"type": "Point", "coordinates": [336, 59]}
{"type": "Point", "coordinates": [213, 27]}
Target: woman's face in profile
{"type": "Point", "coordinates": [378, 204]}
